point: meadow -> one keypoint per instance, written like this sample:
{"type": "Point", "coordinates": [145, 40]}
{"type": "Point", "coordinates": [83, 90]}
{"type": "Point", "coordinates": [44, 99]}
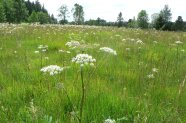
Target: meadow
{"type": "Point", "coordinates": [141, 81]}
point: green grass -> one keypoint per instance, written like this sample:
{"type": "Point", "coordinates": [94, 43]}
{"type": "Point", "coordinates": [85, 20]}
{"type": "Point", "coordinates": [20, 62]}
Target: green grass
{"type": "Point", "coordinates": [117, 87]}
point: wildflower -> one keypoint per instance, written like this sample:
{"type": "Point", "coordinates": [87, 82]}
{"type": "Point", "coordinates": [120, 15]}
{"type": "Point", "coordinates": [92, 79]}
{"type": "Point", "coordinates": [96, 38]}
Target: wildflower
{"type": "Point", "coordinates": [150, 76]}
{"type": "Point", "coordinates": [155, 70]}
{"type": "Point", "coordinates": [108, 50]}
{"type": "Point", "coordinates": [36, 52]}
{"type": "Point", "coordinates": [109, 121]}
{"type": "Point", "coordinates": [43, 50]}
{"type": "Point", "coordinates": [182, 50]}
{"type": "Point", "coordinates": [46, 58]}
{"type": "Point", "coordinates": [139, 42]}
{"type": "Point", "coordinates": [178, 42]}
{"type": "Point", "coordinates": [15, 52]}
{"type": "Point", "coordinates": [42, 47]}
{"type": "Point", "coordinates": [52, 69]}
{"type": "Point", "coordinates": [72, 44]}
{"type": "Point", "coordinates": [61, 51]}
{"type": "Point", "coordinates": [84, 59]}
{"type": "Point", "coordinates": [59, 86]}
{"type": "Point", "coordinates": [127, 49]}
{"type": "Point", "coordinates": [155, 42]}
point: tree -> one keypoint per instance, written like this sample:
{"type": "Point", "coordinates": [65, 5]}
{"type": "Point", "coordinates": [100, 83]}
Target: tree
{"type": "Point", "coordinates": [53, 20]}
{"type": "Point", "coordinates": [132, 23]}
{"type": "Point", "coordinates": [9, 11]}
{"type": "Point", "coordinates": [164, 18]}
{"type": "Point", "coordinates": [120, 20]}
{"type": "Point", "coordinates": [166, 13]}
{"type": "Point", "coordinates": [154, 17]}
{"type": "Point", "coordinates": [43, 18]}
{"type": "Point", "coordinates": [179, 24]}
{"type": "Point", "coordinates": [78, 14]}
{"type": "Point", "coordinates": [33, 17]}
{"type": "Point", "coordinates": [2, 13]}
{"type": "Point", "coordinates": [142, 19]}
{"type": "Point", "coordinates": [21, 12]}
{"type": "Point", "coordinates": [63, 14]}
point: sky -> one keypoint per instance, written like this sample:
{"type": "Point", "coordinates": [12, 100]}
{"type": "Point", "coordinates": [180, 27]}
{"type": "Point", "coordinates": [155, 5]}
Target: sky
{"type": "Point", "coordinates": [109, 9]}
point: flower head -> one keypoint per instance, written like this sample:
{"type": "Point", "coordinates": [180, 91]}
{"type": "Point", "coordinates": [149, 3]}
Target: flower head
{"type": "Point", "coordinates": [72, 44]}
{"type": "Point", "coordinates": [108, 50]}
{"type": "Point", "coordinates": [52, 69]}
{"type": "Point", "coordinates": [178, 42]}
{"type": "Point", "coordinates": [84, 59]}
{"type": "Point", "coordinates": [109, 121]}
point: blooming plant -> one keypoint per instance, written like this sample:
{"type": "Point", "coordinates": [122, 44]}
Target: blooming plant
{"type": "Point", "coordinates": [52, 70]}
{"type": "Point", "coordinates": [108, 50]}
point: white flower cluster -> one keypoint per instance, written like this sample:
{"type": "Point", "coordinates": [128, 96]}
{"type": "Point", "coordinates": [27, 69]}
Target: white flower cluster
{"type": "Point", "coordinates": [84, 59]}
{"type": "Point", "coordinates": [108, 50]}
{"type": "Point", "coordinates": [178, 42]}
{"type": "Point", "coordinates": [72, 44]}
{"type": "Point", "coordinates": [139, 42]}
{"type": "Point", "coordinates": [43, 48]}
{"type": "Point", "coordinates": [52, 69]}
{"type": "Point", "coordinates": [109, 121]}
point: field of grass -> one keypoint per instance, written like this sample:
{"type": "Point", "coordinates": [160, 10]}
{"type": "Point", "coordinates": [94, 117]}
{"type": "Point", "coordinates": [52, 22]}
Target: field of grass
{"type": "Point", "coordinates": [143, 83]}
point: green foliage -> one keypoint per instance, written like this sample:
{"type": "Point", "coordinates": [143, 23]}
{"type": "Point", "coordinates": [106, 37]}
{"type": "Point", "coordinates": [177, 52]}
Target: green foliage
{"type": "Point", "coordinates": [78, 14]}
{"type": "Point", "coordinates": [120, 20]}
{"type": "Point", "coordinates": [166, 13]}
{"type": "Point", "coordinates": [33, 17]}
{"type": "Point", "coordinates": [132, 23]}
{"type": "Point", "coordinates": [21, 12]}
{"type": "Point", "coordinates": [142, 19]}
{"type": "Point", "coordinates": [2, 13]}
{"type": "Point", "coordinates": [179, 24]}
{"type": "Point", "coordinates": [43, 18]}
{"type": "Point", "coordinates": [63, 14]}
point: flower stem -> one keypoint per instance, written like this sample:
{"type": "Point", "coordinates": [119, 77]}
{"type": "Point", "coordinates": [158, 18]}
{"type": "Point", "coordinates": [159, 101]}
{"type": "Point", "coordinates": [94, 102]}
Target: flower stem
{"type": "Point", "coordinates": [83, 95]}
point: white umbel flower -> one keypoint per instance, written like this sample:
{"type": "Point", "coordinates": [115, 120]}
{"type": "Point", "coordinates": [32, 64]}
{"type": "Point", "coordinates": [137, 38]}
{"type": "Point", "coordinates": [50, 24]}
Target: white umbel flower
{"type": "Point", "coordinates": [72, 44]}
{"type": "Point", "coordinates": [109, 121]}
{"type": "Point", "coordinates": [178, 42]}
{"type": "Point", "coordinates": [52, 69]}
{"type": "Point", "coordinates": [155, 70]}
{"type": "Point", "coordinates": [139, 42]}
{"type": "Point", "coordinates": [84, 59]}
{"type": "Point", "coordinates": [108, 50]}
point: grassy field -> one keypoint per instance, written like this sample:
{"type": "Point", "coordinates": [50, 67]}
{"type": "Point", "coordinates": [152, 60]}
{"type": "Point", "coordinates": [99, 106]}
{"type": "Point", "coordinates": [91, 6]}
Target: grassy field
{"type": "Point", "coordinates": [143, 83]}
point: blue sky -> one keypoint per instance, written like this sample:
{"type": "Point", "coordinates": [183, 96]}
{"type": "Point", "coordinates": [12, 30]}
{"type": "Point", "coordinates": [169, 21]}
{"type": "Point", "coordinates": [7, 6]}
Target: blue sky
{"type": "Point", "coordinates": [109, 9]}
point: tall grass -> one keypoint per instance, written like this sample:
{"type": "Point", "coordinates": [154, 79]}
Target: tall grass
{"type": "Point", "coordinates": [118, 87]}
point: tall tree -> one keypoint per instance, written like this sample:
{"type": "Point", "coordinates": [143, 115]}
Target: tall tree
{"type": "Point", "coordinates": [142, 19]}
{"type": "Point", "coordinates": [166, 13]}
{"type": "Point", "coordinates": [179, 24]}
{"type": "Point", "coordinates": [120, 20]}
{"type": "Point", "coordinates": [2, 13]}
{"type": "Point", "coordinates": [29, 7]}
{"type": "Point", "coordinates": [78, 14]}
{"type": "Point", "coordinates": [154, 17]}
{"type": "Point", "coordinates": [63, 14]}
{"type": "Point", "coordinates": [164, 18]}
{"type": "Point", "coordinates": [9, 10]}
{"type": "Point", "coordinates": [21, 12]}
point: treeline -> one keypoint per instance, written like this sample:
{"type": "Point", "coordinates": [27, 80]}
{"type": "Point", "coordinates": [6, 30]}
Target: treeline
{"type": "Point", "coordinates": [17, 11]}
{"type": "Point", "coordinates": [159, 21]}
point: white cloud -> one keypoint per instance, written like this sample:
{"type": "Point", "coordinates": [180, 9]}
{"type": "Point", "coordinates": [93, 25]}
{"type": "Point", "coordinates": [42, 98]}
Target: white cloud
{"type": "Point", "coordinates": [109, 9]}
